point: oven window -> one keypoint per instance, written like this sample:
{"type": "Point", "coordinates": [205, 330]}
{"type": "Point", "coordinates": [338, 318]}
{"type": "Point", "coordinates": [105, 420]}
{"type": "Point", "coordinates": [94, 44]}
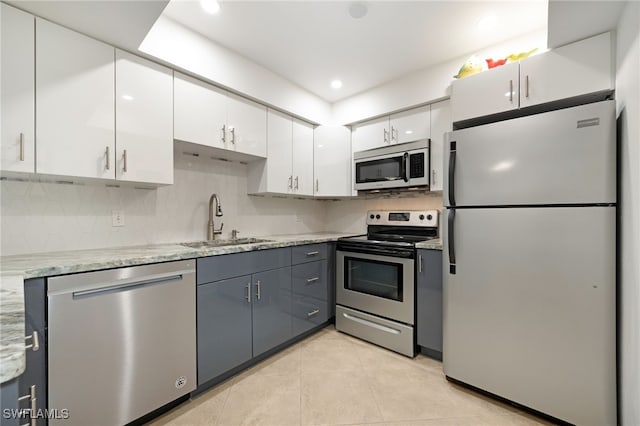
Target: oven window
{"type": "Point", "coordinates": [377, 278]}
{"type": "Point", "coordinates": [379, 170]}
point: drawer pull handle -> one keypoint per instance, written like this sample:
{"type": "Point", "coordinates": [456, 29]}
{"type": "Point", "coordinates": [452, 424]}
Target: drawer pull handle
{"type": "Point", "coordinates": [313, 253]}
{"type": "Point", "coordinates": [33, 406]}
{"type": "Point", "coordinates": [312, 313]}
{"type": "Point", "coordinates": [311, 280]}
{"type": "Point", "coordinates": [35, 346]}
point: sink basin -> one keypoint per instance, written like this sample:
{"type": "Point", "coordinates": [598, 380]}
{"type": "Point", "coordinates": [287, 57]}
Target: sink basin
{"type": "Point", "coordinates": [223, 243]}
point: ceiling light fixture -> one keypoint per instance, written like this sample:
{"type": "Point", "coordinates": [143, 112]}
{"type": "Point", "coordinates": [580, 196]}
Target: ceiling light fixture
{"type": "Point", "coordinates": [210, 6]}
{"type": "Point", "coordinates": [336, 84]}
{"type": "Point", "coordinates": [357, 10]}
{"type": "Point", "coordinates": [487, 22]}
{"type": "Point", "coordinates": [127, 97]}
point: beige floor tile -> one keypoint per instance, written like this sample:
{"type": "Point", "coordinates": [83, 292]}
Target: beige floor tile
{"type": "Point", "coordinates": [263, 400]}
{"type": "Point", "coordinates": [282, 363]}
{"type": "Point", "coordinates": [474, 403]}
{"type": "Point", "coordinates": [338, 355]}
{"type": "Point", "coordinates": [337, 398]}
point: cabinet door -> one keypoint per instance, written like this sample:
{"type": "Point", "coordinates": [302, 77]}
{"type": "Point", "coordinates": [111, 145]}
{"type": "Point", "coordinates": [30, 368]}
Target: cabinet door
{"type": "Point", "coordinates": [440, 125]}
{"type": "Point", "coordinates": [485, 93]}
{"type": "Point", "coordinates": [410, 125]}
{"type": "Point", "coordinates": [429, 300]}
{"type": "Point", "coordinates": [572, 70]}
{"type": "Point", "coordinates": [224, 326]}
{"type": "Point", "coordinates": [144, 120]}
{"type": "Point", "coordinates": [74, 103]}
{"type": "Point", "coordinates": [370, 134]}
{"type": "Point", "coordinates": [332, 161]}
{"type": "Point", "coordinates": [279, 169]}
{"type": "Point", "coordinates": [17, 91]}
{"type": "Point", "coordinates": [199, 112]}
{"type": "Point", "coordinates": [271, 309]}
{"type": "Point", "coordinates": [302, 155]}
{"type": "Point", "coordinates": [246, 126]}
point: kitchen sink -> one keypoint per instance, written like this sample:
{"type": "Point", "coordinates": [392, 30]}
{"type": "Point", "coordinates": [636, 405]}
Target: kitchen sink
{"type": "Point", "coordinates": [222, 243]}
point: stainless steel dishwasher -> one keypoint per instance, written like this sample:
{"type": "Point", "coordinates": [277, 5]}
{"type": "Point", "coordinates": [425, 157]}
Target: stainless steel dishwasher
{"type": "Point", "coordinates": [121, 342]}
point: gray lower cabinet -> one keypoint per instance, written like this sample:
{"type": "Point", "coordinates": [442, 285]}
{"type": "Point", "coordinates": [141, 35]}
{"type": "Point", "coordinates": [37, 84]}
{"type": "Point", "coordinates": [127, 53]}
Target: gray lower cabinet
{"type": "Point", "coordinates": [429, 301]}
{"type": "Point", "coordinates": [310, 295]}
{"type": "Point", "coordinates": [271, 309]}
{"type": "Point", "coordinates": [224, 326]}
{"type": "Point", "coordinates": [29, 390]}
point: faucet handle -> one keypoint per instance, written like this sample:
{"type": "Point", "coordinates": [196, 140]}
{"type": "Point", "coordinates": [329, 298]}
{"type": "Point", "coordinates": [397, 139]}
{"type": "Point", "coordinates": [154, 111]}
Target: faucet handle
{"type": "Point", "coordinates": [234, 234]}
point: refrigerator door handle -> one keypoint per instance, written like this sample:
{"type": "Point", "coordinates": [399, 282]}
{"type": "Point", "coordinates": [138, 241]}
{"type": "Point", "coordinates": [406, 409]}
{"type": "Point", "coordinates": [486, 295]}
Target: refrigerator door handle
{"type": "Point", "coordinates": [405, 163]}
{"type": "Point", "coordinates": [452, 173]}
{"type": "Point", "coordinates": [451, 241]}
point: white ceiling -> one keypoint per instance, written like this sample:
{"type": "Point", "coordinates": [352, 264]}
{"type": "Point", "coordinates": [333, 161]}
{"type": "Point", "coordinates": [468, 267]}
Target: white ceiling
{"type": "Point", "coordinates": [313, 42]}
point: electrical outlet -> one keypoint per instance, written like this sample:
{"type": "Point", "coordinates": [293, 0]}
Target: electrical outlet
{"type": "Point", "coordinates": [117, 218]}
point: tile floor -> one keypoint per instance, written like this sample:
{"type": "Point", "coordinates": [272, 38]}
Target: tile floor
{"type": "Point", "coordinates": [333, 379]}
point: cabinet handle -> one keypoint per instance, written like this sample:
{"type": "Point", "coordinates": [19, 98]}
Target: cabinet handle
{"type": "Point", "coordinates": [35, 346]}
{"type": "Point", "coordinates": [311, 280]}
{"type": "Point", "coordinates": [296, 186]}
{"type": "Point", "coordinates": [316, 185]}
{"type": "Point", "coordinates": [386, 136]}
{"type": "Point", "coordinates": [290, 182]}
{"type": "Point", "coordinates": [394, 131]}
{"type": "Point", "coordinates": [34, 405]}
{"type": "Point", "coordinates": [313, 253]}
{"type": "Point", "coordinates": [526, 86]}
{"type": "Point", "coordinates": [312, 313]}
{"type": "Point", "coordinates": [106, 154]}
{"type": "Point", "coordinates": [21, 146]}
{"type": "Point", "coordinates": [224, 133]}
{"type": "Point", "coordinates": [433, 176]}
{"type": "Point", "coordinates": [258, 290]}
{"type": "Point", "coordinates": [510, 90]}
{"type": "Point", "coordinates": [233, 134]}
{"type": "Point", "coordinates": [124, 161]}
{"type": "Point", "coordinates": [248, 295]}
{"type": "Point", "coordinates": [420, 263]}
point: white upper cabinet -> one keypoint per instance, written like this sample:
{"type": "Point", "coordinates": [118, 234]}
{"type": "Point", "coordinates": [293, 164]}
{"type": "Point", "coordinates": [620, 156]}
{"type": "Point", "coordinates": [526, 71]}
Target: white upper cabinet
{"type": "Point", "coordinates": [279, 140]}
{"type": "Point", "coordinates": [332, 161]}
{"type": "Point", "coordinates": [410, 125]}
{"type": "Point", "coordinates": [17, 91]}
{"type": "Point", "coordinates": [144, 120]}
{"type": "Point", "coordinates": [302, 158]}
{"type": "Point", "coordinates": [572, 70]}
{"type": "Point", "coordinates": [200, 112]}
{"type": "Point", "coordinates": [485, 93]}
{"type": "Point", "coordinates": [209, 116]}
{"type": "Point", "coordinates": [441, 123]}
{"type": "Point", "coordinates": [75, 126]}
{"type": "Point", "coordinates": [370, 134]}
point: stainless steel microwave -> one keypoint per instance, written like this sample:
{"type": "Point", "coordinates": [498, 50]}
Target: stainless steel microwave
{"type": "Point", "coordinates": [396, 166]}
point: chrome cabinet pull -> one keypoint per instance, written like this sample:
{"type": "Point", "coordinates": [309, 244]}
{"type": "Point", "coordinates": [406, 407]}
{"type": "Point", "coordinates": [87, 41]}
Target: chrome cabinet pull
{"type": "Point", "coordinates": [35, 345]}
{"type": "Point", "coordinates": [106, 153]}
{"type": "Point", "coordinates": [290, 182]}
{"type": "Point", "coordinates": [313, 253]}
{"type": "Point", "coordinates": [258, 289]}
{"type": "Point", "coordinates": [21, 146]}
{"type": "Point", "coordinates": [386, 136]}
{"type": "Point", "coordinates": [312, 280]}
{"type": "Point", "coordinates": [233, 134]}
{"type": "Point", "coordinates": [510, 90]}
{"type": "Point", "coordinates": [33, 407]}
{"type": "Point", "coordinates": [248, 295]}
{"type": "Point", "coordinates": [526, 86]}
{"type": "Point", "coordinates": [316, 185]}
{"type": "Point", "coordinates": [224, 133]}
{"type": "Point", "coordinates": [420, 263]}
{"type": "Point", "coordinates": [433, 176]}
{"type": "Point", "coordinates": [394, 134]}
{"type": "Point", "coordinates": [296, 185]}
{"type": "Point", "coordinates": [312, 313]}
{"type": "Point", "coordinates": [124, 161]}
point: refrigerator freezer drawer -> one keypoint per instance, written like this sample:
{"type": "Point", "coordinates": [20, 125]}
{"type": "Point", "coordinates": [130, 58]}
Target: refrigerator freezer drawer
{"type": "Point", "coordinates": [561, 157]}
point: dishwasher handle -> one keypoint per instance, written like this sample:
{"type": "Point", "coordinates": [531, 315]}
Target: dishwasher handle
{"type": "Point", "coordinates": [127, 286]}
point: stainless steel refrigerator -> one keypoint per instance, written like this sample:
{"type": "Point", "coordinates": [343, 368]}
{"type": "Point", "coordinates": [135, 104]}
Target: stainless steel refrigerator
{"type": "Point", "coordinates": [530, 261]}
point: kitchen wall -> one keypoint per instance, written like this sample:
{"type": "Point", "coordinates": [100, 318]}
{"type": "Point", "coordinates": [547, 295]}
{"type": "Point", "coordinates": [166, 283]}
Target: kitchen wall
{"type": "Point", "coordinates": [628, 105]}
{"type": "Point", "coordinates": [37, 217]}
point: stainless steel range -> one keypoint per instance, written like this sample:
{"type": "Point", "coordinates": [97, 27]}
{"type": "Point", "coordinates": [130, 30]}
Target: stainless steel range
{"type": "Point", "coordinates": [375, 278]}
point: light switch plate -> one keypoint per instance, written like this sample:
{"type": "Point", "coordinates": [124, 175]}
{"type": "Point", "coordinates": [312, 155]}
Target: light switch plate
{"type": "Point", "coordinates": [117, 218]}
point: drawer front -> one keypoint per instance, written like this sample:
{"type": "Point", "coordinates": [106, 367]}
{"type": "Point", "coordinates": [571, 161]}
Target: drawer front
{"type": "Point", "coordinates": [308, 312]}
{"type": "Point", "coordinates": [222, 267]}
{"type": "Point", "coordinates": [309, 253]}
{"type": "Point", "coordinates": [310, 279]}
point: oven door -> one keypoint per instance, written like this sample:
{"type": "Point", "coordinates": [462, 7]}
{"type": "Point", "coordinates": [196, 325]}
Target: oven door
{"type": "Point", "coordinates": [385, 171]}
{"type": "Point", "coordinates": [379, 284]}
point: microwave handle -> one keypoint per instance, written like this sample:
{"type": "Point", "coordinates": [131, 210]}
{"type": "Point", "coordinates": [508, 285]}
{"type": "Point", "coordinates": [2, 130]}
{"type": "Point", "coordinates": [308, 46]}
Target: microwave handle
{"type": "Point", "coordinates": [406, 168]}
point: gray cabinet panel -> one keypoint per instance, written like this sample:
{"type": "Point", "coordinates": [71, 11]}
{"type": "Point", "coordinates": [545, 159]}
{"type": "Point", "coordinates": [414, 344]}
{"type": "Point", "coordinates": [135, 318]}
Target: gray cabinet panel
{"type": "Point", "coordinates": [429, 299]}
{"type": "Point", "coordinates": [331, 279]}
{"type": "Point", "coordinates": [36, 365]}
{"type": "Point", "coordinates": [310, 279]}
{"type": "Point", "coordinates": [309, 253]}
{"type": "Point", "coordinates": [265, 260]}
{"type": "Point", "coordinates": [271, 309]}
{"type": "Point", "coordinates": [307, 312]}
{"type": "Point", "coordinates": [9, 397]}
{"type": "Point", "coordinates": [224, 326]}
{"type": "Point", "coordinates": [215, 268]}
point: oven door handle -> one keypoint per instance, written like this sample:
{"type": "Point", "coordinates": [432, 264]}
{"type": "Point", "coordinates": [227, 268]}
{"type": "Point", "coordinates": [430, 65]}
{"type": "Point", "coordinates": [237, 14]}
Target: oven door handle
{"type": "Point", "coordinates": [406, 168]}
{"type": "Point", "coordinates": [370, 324]}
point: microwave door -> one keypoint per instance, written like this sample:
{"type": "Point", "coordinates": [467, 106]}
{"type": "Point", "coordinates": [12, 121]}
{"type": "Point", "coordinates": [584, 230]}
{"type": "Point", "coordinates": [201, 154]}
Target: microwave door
{"type": "Point", "coordinates": [381, 172]}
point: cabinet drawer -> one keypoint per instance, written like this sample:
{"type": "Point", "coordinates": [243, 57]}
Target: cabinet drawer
{"type": "Point", "coordinates": [310, 279]}
{"type": "Point", "coordinates": [308, 312]}
{"type": "Point", "coordinates": [309, 253]}
{"type": "Point", "coordinates": [215, 268]}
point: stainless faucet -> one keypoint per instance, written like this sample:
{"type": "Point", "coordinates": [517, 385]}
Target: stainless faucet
{"type": "Point", "coordinates": [211, 231]}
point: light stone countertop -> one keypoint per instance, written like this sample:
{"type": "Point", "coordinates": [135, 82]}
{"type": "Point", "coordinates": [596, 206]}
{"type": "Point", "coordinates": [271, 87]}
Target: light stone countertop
{"type": "Point", "coordinates": [435, 244]}
{"type": "Point", "coordinates": [12, 358]}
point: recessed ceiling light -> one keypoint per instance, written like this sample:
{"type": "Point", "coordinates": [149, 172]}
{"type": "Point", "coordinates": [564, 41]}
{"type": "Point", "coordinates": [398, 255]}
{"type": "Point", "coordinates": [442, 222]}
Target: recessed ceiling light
{"type": "Point", "coordinates": [487, 22]}
{"type": "Point", "coordinates": [210, 6]}
{"type": "Point", "coordinates": [127, 97]}
{"type": "Point", "coordinates": [408, 132]}
{"type": "Point", "coordinates": [336, 84]}
{"type": "Point", "coordinates": [357, 10]}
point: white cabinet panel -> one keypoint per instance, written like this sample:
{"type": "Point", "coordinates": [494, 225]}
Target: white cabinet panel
{"type": "Point", "coordinates": [486, 93]}
{"type": "Point", "coordinates": [279, 136]}
{"type": "Point", "coordinates": [75, 128]}
{"type": "Point", "coordinates": [302, 159]}
{"type": "Point", "coordinates": [410, 125]}
{"type": "Point", "coordinates": [332, 161]}
{"type": "Point", "coordinates": [17, 91]}
{"type": "Point", "coordinates": [246, 126]}
{"type": "Point", "coordinates": [370, 134]}
{"type": "Point", "coordinates": [144, 124]}
{"type": "Point", "coordinates": [199, 112]}
{"type": "Point", "coordinates": [440, 124]}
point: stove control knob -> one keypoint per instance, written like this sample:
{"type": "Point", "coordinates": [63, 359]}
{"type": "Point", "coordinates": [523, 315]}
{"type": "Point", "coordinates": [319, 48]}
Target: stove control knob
{"type": "Point", "coordinates": [421, 217]}
{"type": "Point", "coordinates": [377, 216]}
{"type": "Point", "coordinates": [371, 216]}
{"type": "Point", "coordinates": [429, 217]}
